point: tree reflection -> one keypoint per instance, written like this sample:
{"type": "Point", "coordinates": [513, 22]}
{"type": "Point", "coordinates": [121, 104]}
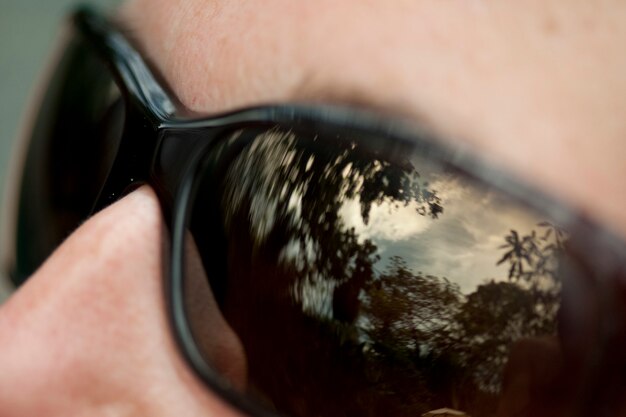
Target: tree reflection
{"type": "Point", "coordinates": [320, 321]}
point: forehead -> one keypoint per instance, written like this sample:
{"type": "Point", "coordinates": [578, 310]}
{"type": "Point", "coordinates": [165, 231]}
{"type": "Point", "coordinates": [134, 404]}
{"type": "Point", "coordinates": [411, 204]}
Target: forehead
{"type": "Point", "coordinates": [538, 86]}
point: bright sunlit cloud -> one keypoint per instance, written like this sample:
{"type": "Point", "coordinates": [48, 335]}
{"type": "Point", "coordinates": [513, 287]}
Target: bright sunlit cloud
{"type": "Point", "coordinates": [463, 244]}
{"type": "Point", "coordinates": [386, 221]}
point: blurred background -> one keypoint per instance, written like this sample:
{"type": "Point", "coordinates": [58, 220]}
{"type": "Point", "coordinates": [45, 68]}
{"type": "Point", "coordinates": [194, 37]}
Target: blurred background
{"type": "Point", "coordinates": [28, 35]}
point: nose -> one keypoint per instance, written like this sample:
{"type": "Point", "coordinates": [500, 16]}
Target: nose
{"type": "Point", "coordinates": [88, 334]}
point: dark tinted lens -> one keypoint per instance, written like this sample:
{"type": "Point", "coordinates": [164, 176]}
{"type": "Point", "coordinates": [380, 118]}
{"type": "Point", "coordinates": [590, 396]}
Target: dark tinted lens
{"type": "Point", "coordinates": [71, 149]}
{"type": "Point", "coordinates": [365, 278]}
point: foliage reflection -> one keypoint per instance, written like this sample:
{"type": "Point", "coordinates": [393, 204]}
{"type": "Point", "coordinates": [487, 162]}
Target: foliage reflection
{"type": "Point", "coordinates": [393, 282]}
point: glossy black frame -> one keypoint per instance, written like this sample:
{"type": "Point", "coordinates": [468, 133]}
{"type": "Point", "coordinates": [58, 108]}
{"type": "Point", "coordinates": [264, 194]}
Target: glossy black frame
{"type": "Point", "coordinates": [163, 145]}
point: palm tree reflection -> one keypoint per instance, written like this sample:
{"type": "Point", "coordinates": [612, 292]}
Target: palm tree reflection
{"type": "Point", "coordinates": [331, 313]}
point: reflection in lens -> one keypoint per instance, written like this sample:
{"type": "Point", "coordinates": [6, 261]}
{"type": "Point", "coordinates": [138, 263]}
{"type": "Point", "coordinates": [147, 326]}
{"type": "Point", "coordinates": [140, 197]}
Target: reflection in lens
{"type": "Point", "coordinates": [362, 284]}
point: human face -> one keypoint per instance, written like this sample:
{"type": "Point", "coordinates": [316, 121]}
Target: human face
{"type": "Point", "coordinates": [74, 337]}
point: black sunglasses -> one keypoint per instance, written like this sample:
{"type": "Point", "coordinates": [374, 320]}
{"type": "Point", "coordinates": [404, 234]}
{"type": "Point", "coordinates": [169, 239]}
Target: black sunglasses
{"type": "Point", "coordinates": [361, 267]}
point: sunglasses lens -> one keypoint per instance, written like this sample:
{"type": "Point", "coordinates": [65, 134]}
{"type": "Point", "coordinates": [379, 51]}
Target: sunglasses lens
{"type": "Point", "coordinates": [362, 277]}
{"type": "Point", "coordinates": [71, 149]}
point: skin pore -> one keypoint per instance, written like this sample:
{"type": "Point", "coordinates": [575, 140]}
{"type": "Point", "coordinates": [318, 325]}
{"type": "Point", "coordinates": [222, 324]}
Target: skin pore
{"type": "Point", "coordinates": [537, 87]}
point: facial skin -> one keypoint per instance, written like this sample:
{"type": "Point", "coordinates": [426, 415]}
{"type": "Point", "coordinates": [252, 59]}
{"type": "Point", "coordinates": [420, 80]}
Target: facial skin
{"type": "Point", "coordinates": [537, 87]}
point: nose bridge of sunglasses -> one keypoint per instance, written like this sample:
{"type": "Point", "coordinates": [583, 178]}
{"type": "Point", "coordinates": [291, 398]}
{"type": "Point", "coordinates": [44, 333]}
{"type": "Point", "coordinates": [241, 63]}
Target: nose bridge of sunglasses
{"type": "Point", "coordinates": [178, 150]}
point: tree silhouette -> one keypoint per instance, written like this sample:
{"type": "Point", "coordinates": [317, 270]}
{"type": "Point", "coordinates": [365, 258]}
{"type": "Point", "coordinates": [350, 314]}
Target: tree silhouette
{"type": "Point", "coordinates": [490, 319]}
{"type": "Point", "coordinates": [304, 187]}
{"type": "Point", "coordinates": [412, 313]}
{"type": "Point", "coordinates": [531, 256]}
{"type": "Point", "coordinates": [306, 274]}
{"type": "Point", "coordinates": [318, 320]}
